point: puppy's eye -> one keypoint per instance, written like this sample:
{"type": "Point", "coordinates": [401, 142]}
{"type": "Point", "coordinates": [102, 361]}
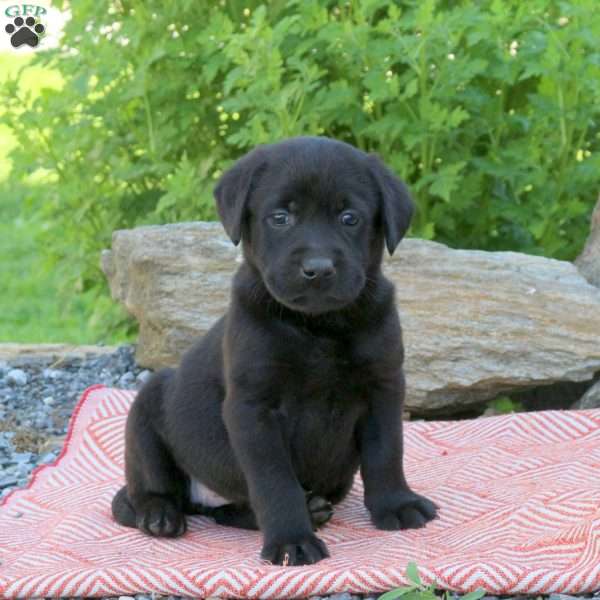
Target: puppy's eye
{"type": "Point", "coordinates": [349, 218]}
{"type": "Point", "coordinates": [280, 219]}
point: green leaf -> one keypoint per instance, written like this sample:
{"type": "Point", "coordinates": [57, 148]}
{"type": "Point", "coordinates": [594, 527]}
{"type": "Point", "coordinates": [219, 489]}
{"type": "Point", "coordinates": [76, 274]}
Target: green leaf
{"type": "Point", "coordinates": [457, 116]}
{"type": "Point", "coordinates": [446, 180]}
{"type": "Point", "coordinates": [397, 593]}
{"type": "Point", "coordinates": [412, 573]}
{"type": "Point", "coordinates": [428, 231]}
{"type": "Point", "coordinates": [411, 89]}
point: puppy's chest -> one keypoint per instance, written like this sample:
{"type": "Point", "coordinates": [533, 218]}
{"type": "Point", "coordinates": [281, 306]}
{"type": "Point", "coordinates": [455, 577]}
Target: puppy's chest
{"type": "Point", "coordinates": [328, 368]}
{"type": "Point", "coordinates": [326, 392]}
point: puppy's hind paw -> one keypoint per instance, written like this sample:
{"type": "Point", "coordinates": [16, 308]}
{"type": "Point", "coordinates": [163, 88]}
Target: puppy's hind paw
{"type": "Point", "coordinates": [160, 517]}
{"type": "Point", "coordinates": [320, 510]}
{"type": "Point", "coordinates": [410, 511]}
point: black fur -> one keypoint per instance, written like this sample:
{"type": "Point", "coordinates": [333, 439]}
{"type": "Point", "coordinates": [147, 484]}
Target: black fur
{"type": "Point", "coordinates": [300, 384]}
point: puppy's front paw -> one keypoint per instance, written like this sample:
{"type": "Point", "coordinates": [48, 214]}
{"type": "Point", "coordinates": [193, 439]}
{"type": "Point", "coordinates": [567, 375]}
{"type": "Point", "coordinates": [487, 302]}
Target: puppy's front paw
{"type": "Point", "coordinates": [160, 517]}
{"type": "Point", "coordinates": [406, 511]}
{"type": "Point", "coordinates": [304, 550]}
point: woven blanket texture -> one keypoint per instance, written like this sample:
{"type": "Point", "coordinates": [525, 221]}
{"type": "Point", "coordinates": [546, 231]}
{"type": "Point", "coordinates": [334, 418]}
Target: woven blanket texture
{"type": "Point", "coordinates": [520, 514]}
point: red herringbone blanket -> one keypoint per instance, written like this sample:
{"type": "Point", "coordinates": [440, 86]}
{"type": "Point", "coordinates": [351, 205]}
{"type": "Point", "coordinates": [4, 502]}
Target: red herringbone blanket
{"type": "Point", "coordinates": [520, 513]}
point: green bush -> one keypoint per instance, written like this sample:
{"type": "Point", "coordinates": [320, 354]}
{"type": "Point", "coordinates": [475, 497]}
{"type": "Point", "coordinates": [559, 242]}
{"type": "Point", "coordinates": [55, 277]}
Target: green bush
{"type": "Point", "coordinates": [489, 111]}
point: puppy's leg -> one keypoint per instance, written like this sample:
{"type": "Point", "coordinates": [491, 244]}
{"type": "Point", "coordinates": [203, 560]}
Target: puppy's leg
{"type": "Point", "coordinates": [276, 496]}
{"type": "Point", "coordinates": [391, 502]}
{"type": "Point", "coordinates": [156, 492]}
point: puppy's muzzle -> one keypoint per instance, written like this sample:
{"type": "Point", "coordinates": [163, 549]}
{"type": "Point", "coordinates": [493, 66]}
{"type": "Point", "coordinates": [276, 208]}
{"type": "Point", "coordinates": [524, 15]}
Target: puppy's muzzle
{"type": "Point", "coordinates": [317, 269]}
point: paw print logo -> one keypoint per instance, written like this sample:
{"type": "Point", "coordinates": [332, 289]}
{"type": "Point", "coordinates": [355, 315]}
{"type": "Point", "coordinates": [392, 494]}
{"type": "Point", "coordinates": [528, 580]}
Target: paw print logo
{"type": "Point", "coordinates": [24, 31]}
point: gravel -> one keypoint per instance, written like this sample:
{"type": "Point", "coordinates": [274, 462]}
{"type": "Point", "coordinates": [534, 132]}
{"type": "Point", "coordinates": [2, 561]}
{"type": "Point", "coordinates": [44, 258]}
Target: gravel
{"type": "Point", "coordinates": [36, 401]}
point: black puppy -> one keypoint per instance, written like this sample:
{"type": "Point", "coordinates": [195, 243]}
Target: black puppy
{"type": "Point", "coordinates": [270, 415]}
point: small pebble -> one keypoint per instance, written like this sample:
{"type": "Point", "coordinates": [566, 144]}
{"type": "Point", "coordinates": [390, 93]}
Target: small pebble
{"type": "Point", "coordinates": [52, 374]}
{"type": "Point", "coordinates": [49, 401]}
{"type": "Point", "coordinates": [22, 470]}
{"type": "Point", "coordinates": [42, 422]}
{"type": "Point", "coordinates": [47, 458]}
{"type": "Point", "coordinates": [7, 482]}
{"type": "Point", "coordinates": [143, 376]}
{"type": "Point", "coordinates": [22, 457]}
{"type": "Point", "coordinates": [126, 378]}
{"type": "Point", "coordinates": [17, 377]}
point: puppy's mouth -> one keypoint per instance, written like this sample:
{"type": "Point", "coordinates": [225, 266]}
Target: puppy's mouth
{"type": "Point", "coordinates": [310, 299]}
{"type": "Point", "coordinates": [314, 302]}
{"type": "Point", "coordinates": [317, 304]}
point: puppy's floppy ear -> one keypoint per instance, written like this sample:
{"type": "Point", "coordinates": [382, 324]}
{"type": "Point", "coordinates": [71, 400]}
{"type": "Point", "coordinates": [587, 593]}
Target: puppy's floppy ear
{"type": "Point", "coordinates": [396, 205]}
{"type": "Point", "coordinates": [233, 190]}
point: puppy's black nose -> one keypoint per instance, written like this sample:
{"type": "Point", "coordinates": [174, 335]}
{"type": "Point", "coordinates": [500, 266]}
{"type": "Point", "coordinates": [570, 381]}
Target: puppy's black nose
{"type": "Point", "coordinates": [317, 268]}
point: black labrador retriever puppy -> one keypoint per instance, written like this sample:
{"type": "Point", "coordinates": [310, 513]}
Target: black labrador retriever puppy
{"type": "Point", "coordinates": [272, 412]}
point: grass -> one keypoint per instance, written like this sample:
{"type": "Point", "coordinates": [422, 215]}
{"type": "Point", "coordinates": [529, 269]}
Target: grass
{"type": "Point", "coordinates": [31, 310]}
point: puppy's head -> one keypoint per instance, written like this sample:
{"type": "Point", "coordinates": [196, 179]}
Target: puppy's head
{"type": "Point", "coordinates": [313, 214]}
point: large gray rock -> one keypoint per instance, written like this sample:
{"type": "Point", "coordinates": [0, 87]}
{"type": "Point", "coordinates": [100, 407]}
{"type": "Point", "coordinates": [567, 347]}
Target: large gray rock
{"type": "Point", "coordinates": [476, 323]}
{"type": "Point", "coordinates": [588, 262]}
